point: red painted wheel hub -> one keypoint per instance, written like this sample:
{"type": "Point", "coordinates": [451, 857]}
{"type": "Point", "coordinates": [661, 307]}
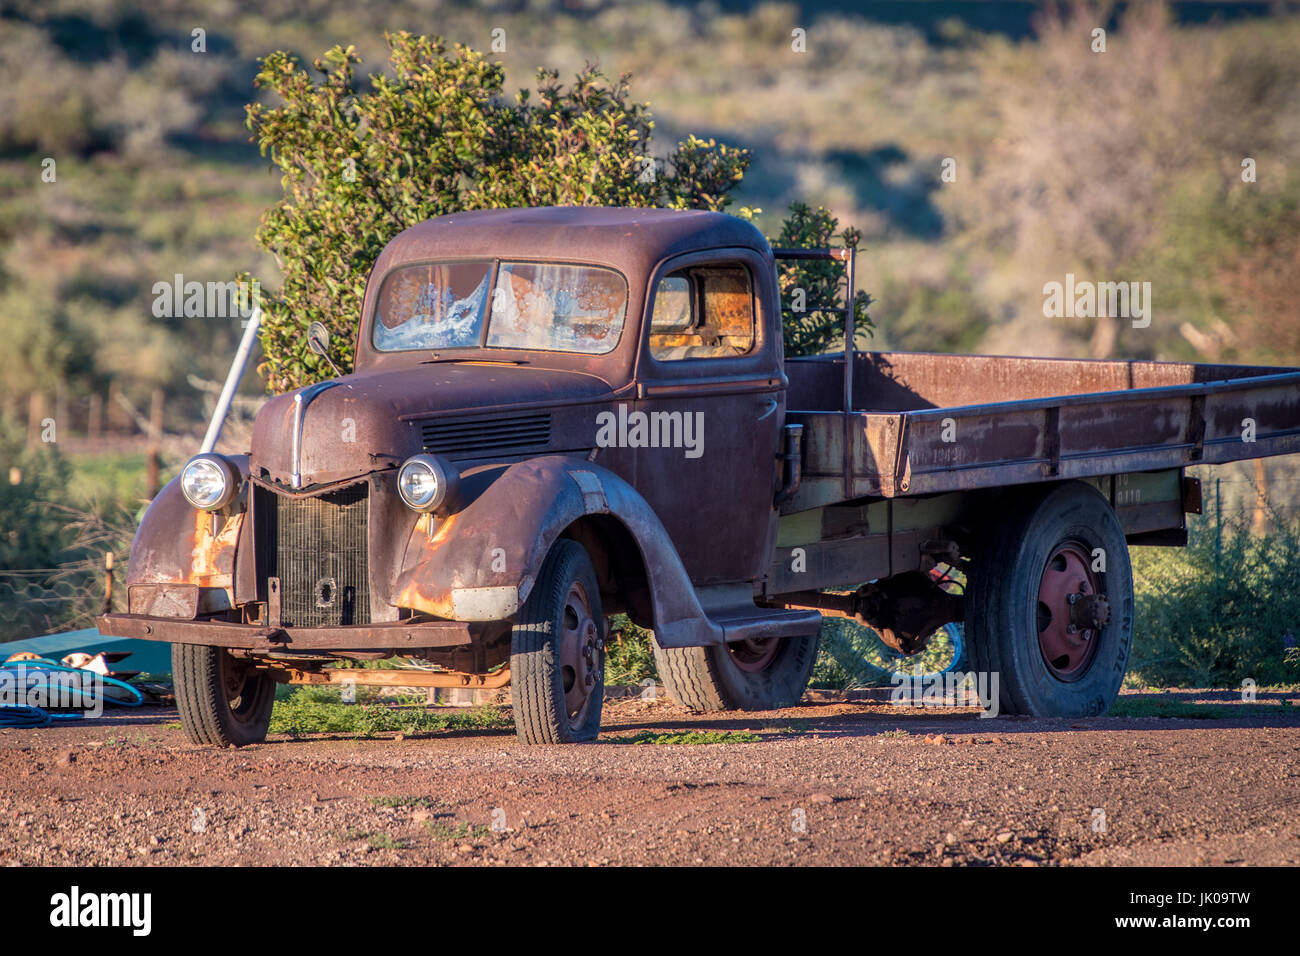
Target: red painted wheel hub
{"type": "Point", "coordinates": [754, 655]}
{"type": "Point", "coordinates": [1072, 612]}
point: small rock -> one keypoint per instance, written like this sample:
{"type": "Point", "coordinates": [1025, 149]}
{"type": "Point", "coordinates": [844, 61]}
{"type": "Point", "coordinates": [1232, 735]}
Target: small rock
{"type": "Point", "coordinates": [821, 798]}
{"type": "Point", "coordinates": [1005, 836]}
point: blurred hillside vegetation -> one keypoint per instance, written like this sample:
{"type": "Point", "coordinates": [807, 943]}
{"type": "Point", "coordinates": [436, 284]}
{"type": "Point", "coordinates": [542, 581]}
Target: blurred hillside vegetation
{"type": "Point", "coordinates": [1122, 165]}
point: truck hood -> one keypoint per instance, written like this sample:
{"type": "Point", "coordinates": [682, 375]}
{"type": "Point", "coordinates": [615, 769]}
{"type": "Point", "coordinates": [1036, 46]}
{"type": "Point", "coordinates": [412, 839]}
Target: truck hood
{"type": "Point", "coordinates": [370, 421]}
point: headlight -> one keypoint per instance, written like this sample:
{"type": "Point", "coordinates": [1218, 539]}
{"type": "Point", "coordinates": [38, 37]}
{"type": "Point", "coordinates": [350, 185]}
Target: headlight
{"type": "Point", "coordinates": [209, 482]}
{"type": "Point", "coordinates": [426, 482]}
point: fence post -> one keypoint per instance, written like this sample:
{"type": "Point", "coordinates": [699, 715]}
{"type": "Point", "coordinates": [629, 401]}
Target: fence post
{"type": "Point", "coordinates": [155, 443]}
{"type": "Point", "coordinates": [94, 419]}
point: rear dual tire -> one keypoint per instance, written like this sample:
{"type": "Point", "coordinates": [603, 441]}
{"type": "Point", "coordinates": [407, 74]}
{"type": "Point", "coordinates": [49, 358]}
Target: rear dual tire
{"type": "Point", "coordinates": [1062, 547]}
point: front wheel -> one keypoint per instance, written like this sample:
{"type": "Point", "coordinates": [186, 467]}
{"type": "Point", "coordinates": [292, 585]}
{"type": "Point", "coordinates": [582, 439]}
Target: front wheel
{"type": "Point", "coordinates": [557, 652]}
{"type": "Point", "coordinates": [222, 701]}
{"type": "Point", "coordinates": [764, 674]}
{"type": "Point", "coordinates": [1050, 609]}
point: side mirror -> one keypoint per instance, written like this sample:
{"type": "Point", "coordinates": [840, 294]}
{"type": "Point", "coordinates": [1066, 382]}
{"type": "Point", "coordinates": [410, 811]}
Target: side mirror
{"type": "Point", "coordinates": [318, 340]}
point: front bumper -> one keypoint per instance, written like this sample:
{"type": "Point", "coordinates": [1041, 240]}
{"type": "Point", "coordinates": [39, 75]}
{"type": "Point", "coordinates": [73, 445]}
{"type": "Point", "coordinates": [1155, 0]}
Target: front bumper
{"type": "Point", "coordinates": [398, 635]}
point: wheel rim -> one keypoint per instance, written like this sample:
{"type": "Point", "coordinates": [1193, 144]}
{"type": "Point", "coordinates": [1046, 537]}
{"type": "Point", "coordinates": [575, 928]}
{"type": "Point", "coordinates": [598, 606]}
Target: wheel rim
{"type": "Point", "coordinates": [240, 686]}
{"type": "Point", "coordinates": [755, 654]}
{"type": "Point", "coordinates": [1072, 612]}
{"type": "Point", "coordinates": [581, 653]}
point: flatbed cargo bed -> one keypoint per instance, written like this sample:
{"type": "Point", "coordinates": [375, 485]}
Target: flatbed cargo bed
{"type": "Point", "coordinates": [929, 423]}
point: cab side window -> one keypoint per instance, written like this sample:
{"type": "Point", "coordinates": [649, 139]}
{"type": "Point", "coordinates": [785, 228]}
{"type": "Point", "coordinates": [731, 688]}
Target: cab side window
{"type": "Point", "coordinates": [705, 312]}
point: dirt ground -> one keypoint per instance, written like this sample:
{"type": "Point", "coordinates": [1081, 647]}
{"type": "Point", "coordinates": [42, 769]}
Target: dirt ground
{"type": "Point", "coordinates": [834, 782]}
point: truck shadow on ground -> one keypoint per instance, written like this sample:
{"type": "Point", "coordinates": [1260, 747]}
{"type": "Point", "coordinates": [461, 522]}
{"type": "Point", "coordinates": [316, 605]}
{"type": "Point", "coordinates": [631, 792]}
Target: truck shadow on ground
{"type": "Point", "coordinates": [1176, 710]}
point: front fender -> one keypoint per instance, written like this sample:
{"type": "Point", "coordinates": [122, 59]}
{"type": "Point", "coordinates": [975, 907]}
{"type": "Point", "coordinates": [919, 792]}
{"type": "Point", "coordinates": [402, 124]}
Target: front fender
{"type": "Point", "coordinates": [481, 563]}
{"type": "Point", "coordinates": [179, 567]}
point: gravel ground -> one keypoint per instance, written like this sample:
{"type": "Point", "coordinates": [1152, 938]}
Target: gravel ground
{"type": "Point", "coordinates": [832, 782]}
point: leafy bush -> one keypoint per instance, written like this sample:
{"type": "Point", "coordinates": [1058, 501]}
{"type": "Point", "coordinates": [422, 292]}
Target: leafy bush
{"type": "Point", "coordinates": [438, 137]}
{"type": "Point", "coordinates": [1222, 610]}
{"type": "Point", "coordinates": [629, 657]}
{"type": "Point", "coordinates": [33, 535]}
{"type": "Point", "coordinates": [813, 330]}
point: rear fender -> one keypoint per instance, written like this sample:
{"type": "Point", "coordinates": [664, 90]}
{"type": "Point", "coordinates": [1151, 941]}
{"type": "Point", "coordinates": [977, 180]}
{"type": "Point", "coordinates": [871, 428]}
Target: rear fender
{"type": "Point", "coordinates": [480, 563]}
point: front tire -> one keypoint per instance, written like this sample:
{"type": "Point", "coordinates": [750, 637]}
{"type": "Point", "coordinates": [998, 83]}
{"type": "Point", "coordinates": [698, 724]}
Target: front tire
{"type": "Point", "coordinates": [1050, 609]}
{"type": "Point", "coordinates": [557, 652]}
{"type": "Point", "coordinates": [749, 675]}
{"type": "Point", "coordinates": [222, 702]}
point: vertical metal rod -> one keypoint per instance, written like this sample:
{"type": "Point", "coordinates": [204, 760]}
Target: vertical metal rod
{"type": "Point", "coordinates": [850, 260]}
{"type": "Point", "coordinates": [232, 382]}
{"type": "Point", "coordinates": [850, 333]}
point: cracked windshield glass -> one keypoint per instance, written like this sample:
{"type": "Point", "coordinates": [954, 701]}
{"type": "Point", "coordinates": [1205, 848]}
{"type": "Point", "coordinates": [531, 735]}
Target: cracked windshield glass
{"type": "Point", "coordinates": [537, 306]}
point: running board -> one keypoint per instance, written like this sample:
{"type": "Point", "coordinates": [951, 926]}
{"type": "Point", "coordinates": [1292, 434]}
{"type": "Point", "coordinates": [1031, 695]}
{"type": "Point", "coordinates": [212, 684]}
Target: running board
{"type": "Point", "coordinates": [732, 609]}
{"type": "Point", "coordinates": [753, 623]}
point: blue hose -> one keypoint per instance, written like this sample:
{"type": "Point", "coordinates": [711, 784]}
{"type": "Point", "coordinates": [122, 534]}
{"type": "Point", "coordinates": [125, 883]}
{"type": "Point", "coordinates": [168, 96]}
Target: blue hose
{"type": "Point", "coordinates": [24, 715]}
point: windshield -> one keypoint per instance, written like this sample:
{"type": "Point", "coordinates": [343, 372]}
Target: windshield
{"type": "Point", "coordinates": [538, 306]}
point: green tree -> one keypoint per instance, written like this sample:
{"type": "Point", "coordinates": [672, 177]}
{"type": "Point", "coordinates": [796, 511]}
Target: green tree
{"type": "Point", "coordinates": [813, 329]}
{"type": "Point", "coordinates": [434, 137]}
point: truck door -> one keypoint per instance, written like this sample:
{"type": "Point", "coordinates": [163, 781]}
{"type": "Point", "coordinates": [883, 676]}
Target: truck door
{"type": "Point", "coordinates": [711, 393]}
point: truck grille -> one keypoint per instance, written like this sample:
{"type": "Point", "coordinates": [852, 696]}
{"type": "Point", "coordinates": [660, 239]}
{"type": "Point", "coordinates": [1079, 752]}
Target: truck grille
{"type": "Point", "coordinates": [317, 548]}
{"type": "Point", "coordinates": [481, 437]}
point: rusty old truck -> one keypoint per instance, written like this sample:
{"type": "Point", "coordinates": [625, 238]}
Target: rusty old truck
{"type": "Point", "coordinates": [560, 414]}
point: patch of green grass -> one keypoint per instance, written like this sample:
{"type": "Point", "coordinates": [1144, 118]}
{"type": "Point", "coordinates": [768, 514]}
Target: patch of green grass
{"type": "Point", "coordinates": [382, 841]}
{"type": "Point", "coordinates": [452, 832]}
{"type": "Point", "coordinates": [424, 802]}
{"type": "Point", "coordinates": [109, 476]}
{"type": "Point", "coordinates": [305, 713]}
{"type": "Point", "coordinates": [1162, 707]}
{"type": "Point", "coordinates": [377, 839]}
{"type": "Point", "coordinates": [691, 737]}
{"type": "Point", "coordinates": [896, 734]}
